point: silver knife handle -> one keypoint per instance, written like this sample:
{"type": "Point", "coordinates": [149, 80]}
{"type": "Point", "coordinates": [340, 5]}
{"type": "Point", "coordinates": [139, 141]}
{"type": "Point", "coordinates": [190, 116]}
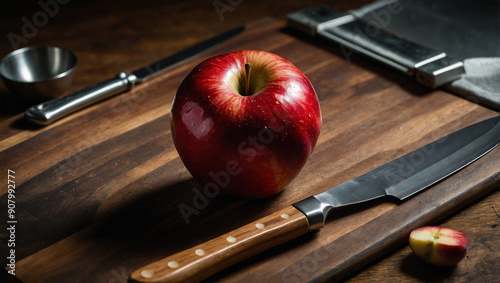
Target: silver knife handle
{"type": "Point", "coordinates": [50, 111]}
{"type": "Point", "coordinates": [430, 67]}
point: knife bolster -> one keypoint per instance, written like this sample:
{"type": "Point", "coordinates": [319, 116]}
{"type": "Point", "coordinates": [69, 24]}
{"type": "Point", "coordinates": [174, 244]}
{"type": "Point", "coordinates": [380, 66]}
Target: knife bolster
{"type": "Point", "coordinates": [440, 72]}
{"type": "Point", "coordinates": [315, 211]}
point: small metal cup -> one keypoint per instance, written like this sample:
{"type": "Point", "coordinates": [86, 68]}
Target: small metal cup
{"type": "Point", "coordinates": [38, 73]}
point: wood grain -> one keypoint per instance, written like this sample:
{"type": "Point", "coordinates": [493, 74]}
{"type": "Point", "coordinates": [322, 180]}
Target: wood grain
{"type": "Point", "coordinates": [98, 192]}
{"type": "Point", "coordinates": [478, 222]}
{"type": "Point", "coordinates": [199, 262]}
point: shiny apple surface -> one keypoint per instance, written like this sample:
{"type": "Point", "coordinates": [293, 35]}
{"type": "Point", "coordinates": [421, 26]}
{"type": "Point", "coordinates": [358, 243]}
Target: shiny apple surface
{"type": "Point", "coordinates": [244, 123]}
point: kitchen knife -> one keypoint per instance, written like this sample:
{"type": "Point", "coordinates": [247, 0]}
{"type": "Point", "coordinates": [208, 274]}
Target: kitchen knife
{"type": "Point", "coordinates": [50, 111]}
{"type": "Point", "coordinates": [430, 67]}
{"type": "Point", "coordinates": [400, 179]}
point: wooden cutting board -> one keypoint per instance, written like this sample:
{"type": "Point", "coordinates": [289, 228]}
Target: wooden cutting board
{"type": "Point", "coordinates": [98, 193]}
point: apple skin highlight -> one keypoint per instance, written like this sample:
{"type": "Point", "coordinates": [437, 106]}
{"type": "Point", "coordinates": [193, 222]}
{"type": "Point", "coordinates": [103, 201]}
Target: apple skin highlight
{"type": "Point", "coordinates": [439, 246]}
{"type": "Point", "coordinates": [246, 143]}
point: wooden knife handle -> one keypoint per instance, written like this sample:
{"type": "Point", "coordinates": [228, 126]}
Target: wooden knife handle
{"type": "Point", "coordinates": [199, 262]}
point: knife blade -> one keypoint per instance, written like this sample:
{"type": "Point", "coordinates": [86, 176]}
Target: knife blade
{"type": "Point", "coordinates": [400, 178]}
{"type": "Point", "coordinates": [50, 111]}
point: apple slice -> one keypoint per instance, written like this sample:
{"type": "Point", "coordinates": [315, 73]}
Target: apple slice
{"type": "Point", "coordinates": [439, 246]}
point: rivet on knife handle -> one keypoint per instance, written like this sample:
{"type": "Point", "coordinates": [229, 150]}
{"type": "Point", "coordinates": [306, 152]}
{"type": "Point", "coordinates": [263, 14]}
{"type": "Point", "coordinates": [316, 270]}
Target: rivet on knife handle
{"type": "Point", "coordinates": [199, 262]}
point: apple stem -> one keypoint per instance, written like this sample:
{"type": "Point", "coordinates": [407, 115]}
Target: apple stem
{"type": "Point", "coordinates": [247, 76]}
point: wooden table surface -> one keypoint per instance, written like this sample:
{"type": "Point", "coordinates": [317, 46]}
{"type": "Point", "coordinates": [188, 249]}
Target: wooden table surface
{"type": "Point", "coordinates": [113, 36]}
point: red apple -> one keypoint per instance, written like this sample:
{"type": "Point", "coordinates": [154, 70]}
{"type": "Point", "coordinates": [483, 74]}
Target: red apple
{"type": "Point", "coordinates": [439, 246]}
{"type": "Point", "coordinates": [244, 123]}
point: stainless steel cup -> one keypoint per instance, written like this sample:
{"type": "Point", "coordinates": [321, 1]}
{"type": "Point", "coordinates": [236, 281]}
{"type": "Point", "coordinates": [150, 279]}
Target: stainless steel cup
{"type": "Point", "coordinates": [38, 73]}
